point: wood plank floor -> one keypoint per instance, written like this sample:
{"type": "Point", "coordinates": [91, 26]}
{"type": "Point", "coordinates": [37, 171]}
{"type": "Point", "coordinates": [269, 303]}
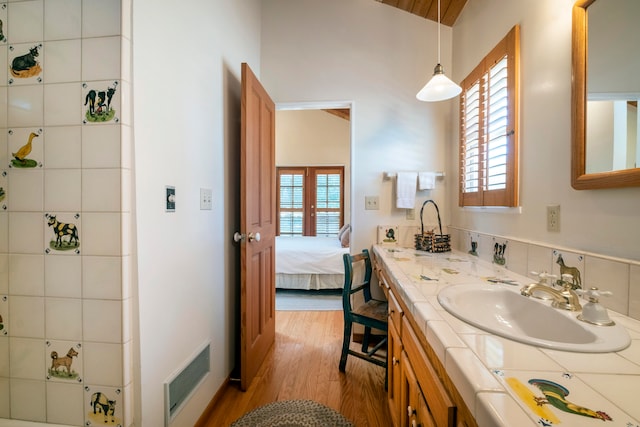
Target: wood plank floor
{"type": "Point", "coordinates": [303, 364]}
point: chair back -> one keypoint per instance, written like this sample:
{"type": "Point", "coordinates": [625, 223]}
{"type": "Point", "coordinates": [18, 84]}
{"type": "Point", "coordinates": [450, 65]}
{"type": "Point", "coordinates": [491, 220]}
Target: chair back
{"type": "Point", "coordinates": [356, 263]}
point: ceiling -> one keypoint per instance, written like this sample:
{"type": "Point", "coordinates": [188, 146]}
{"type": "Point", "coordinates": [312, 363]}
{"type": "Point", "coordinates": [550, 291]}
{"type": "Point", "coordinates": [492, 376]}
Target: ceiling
{"type": "Point", "coordinates": [449, 9]}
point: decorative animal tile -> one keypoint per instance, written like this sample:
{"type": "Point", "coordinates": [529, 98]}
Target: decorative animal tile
{"type": "Point", "coordinates": [4, 315]}
{"type": "Point", "coordinates": [499, 251]}
{"type": "Point", "coordinates": [561, 398]}
{"type": "Point", "coordinates": [3, 191]}
{"type": "Point", "coordinates": [3, 23]}
{"type": "Point", "coordinates": [64, 232]}
{"type": "Point", "coordinates": [26, 148]}
{"type": "Point", "coordinates": [388, 234]}
{"type": "Point", "coordinates": [569, 263]}
{"type": "Point", "coordinates": [473, 239]}
{"type": "Point", "coordinates": [25, 63]}
{"type": "Point", "coordinates": [101, 102]}
{"type": "Point", "coordinates": [103, 406]}
{"type": "Point", "coordinates": [64, 361]}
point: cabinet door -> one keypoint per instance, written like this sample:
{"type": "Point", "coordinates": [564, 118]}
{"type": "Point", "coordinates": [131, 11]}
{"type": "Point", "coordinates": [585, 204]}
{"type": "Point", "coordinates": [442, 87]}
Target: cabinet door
{"type": "Point", "coordinates": [394, 384]}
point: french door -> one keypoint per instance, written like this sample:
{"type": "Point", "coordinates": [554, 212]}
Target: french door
{"type": "Point", "coordinates": [310, 200]}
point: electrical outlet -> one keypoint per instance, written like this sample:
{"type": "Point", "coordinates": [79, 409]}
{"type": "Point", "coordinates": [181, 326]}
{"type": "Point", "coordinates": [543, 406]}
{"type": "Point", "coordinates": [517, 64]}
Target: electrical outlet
{"type": "Point", "coordinates": [371, 203]}
{"type": "Point", "coordinates": [206, 199]}
{"type": "Point", "coordinates": [553, 218]}
{"type": "Point", "coordinates": [410, 214]}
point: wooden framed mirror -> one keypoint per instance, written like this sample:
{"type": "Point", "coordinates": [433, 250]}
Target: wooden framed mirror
{"type": "Point", "coordinates": [582, 175]}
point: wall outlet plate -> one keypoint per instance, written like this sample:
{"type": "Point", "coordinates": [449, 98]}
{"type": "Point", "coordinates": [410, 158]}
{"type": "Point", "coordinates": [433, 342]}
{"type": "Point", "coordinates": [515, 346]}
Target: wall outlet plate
{"type": "Point", "coordinates": [553, 218]}
{"type": "Point", "coordinates": [206, 199]}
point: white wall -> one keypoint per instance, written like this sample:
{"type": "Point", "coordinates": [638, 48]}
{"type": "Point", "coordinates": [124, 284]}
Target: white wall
{"type": "Point", "coordinates": [378, 57]}
{"type": "Point", "coordinates": [315, 138]}
{"type": "Point", "coordinates": [599, 221]}
{"type": "Point", "coordinates": [187, 58]}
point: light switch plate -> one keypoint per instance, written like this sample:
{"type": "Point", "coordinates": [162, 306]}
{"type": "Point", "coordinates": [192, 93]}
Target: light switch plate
{"type": "Point", "coordinates": [371, 203]}
{"type": "Point", "coordinates": [170, 198]}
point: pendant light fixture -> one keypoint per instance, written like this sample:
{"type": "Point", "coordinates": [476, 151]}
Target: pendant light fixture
{"type": "Point", "coordinates": [440, 87]}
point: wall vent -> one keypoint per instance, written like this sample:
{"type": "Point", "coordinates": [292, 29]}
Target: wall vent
{"type": "Point", "coordinates": [179, 387]}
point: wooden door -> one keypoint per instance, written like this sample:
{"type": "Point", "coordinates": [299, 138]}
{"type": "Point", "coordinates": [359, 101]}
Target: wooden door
{"type": "Point", "coordinates": [258, 224]}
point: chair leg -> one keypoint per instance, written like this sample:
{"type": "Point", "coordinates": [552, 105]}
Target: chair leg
{"type": "Point", "coordinates": [345, 345]}
{"type": "Point", "coordinates": [365, 339]}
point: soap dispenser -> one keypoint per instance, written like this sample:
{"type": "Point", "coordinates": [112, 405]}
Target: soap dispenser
{"type": "Point", "coordinates": [593, 312]}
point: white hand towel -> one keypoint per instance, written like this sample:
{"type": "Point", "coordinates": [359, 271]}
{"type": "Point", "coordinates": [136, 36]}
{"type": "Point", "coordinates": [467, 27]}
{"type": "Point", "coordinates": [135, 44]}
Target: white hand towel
{"type": "Point", "coordinates": [406, 190]}
{"type": "Point", "coordinates": [426, 180]}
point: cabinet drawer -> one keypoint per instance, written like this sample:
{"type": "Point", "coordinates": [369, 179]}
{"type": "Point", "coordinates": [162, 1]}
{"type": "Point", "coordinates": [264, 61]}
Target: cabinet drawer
{"type": "Point", "coordinates": [438, 402]}
{"type": "Point", "coordinates": [395, 311]}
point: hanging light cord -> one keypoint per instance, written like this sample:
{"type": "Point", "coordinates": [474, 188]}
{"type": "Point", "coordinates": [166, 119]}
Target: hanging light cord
{"type": "Point", "coordinates": [438, 31]}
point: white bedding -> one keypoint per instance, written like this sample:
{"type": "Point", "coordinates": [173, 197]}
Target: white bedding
{"type": "Point", "coordinates": [309, 255]}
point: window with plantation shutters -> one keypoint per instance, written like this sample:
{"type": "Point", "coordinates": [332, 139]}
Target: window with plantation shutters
{"type": "Point", "coordinates": [489, 128]}
{"type": "Point", "coordinates": [310, 201]}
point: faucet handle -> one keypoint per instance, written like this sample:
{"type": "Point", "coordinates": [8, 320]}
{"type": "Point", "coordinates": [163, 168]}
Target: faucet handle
{"type": "Point", "coordinates": [593, 294]}
{"type": "Point", "coordinates": [543, 276]}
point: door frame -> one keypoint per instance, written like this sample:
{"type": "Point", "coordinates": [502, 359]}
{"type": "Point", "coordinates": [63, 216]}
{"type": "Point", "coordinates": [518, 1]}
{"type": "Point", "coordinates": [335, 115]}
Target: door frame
{"type": "Point", "coordinates": [320, 105]}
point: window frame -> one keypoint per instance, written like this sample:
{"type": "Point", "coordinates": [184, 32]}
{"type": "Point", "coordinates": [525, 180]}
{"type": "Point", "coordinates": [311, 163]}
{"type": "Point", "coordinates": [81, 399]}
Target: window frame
{"type": "Point", "coordinates": [309, 205]}
{"type": "Point", "coordinates": [509, 46]}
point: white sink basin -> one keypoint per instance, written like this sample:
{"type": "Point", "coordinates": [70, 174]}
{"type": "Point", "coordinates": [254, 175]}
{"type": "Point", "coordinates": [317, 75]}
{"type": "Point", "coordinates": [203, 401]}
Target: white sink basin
{"type": "Point", "coordinates": [501, 310]}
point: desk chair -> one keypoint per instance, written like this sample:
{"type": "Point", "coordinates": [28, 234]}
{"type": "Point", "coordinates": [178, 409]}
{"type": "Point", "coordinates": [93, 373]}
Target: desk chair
{"type": "Point", "coordinates": [372, 314]}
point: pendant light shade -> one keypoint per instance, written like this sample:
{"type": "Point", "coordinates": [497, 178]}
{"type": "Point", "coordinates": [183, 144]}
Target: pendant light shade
{"type": "Point", "coordinates": [440, 87]}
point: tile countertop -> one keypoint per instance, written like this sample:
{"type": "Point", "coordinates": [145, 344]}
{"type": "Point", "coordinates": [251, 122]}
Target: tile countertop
{"type": "Point", "coordinates": [492, 374]}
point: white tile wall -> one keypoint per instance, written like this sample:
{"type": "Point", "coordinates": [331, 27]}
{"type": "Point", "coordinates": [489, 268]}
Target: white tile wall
{"type": "Point", "coordinates": [4, 397]}
{"type": "Point", "coordinates": [26, 315]}
{"type": "Point", "coordinates": [100, 147]}
{"type": "Point", "coordinates": [4, 357]}
{"type": "Point", "coordinates": [620, 276]}
{"type": "Point", "coordinates": [100, 59]}
{"type": "Point", "coordinates": [26, 356]}
{"type": "Point", "coordinates": [103, 321]}
{"type": "Point", "coordinates": [63, 61]}
{"type": "Point", "coordinates": [64, 319]}
{"type": "Point", "coordinates": [634, 291]}
{"type": "Point", "coordinates": [101, 18]}
{"type": "Point", "coordinates": [25, 233]}
{"type": "Point", "coordinates": [62, 19]}
{"type": "Point", "coordinates": [101, 190]}
{"type": "Point", "coordinates": [65, 403]}
{"type": "Point", "coordinates": [103, 364]}
{"type": "Point", "coordinates": [27, 189]}
{"type": "Point", "coordinates": [4, 273]}
{"type": "Point", "coordinates": [26, 275]}
{"type": "Point", "coordinates": [63, 149]}
{"type": "Point", "coordinates": [30, 15]}
{"type": "Point", "coordinates": [61, 104]}
{"type": "Point", "coordinates": [63, 276]}
{"type": "Point", "coordinates": [52, 299]}
{"type": "Point", "coordinates": [25, 106]}
{"type": "Point", "coordinates": [101, 277]}
{"type": "Point", "coordinates": [28, 400]}
{"type": "Point", "coordinates": [62, 190]}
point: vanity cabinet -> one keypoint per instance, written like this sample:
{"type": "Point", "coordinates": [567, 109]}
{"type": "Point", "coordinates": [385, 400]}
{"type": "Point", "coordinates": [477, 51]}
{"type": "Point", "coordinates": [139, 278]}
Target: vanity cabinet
{"type": "Point", "coordinates": [419, 391]}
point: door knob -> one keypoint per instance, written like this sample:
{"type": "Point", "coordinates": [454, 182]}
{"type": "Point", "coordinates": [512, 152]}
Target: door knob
{"type": "Point", "coordinates": [239, 237]}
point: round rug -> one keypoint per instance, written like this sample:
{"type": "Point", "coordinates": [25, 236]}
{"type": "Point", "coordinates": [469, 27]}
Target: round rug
{"type": "Point", "coordinates": [292, 413]}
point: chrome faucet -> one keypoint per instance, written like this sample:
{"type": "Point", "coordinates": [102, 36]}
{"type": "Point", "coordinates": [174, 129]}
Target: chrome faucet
{"type": "Point", "coordinates": [566, 299]}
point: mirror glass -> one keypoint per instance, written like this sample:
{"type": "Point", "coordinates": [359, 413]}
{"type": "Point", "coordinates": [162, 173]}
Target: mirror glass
{"type": "Point", "coordinates": [613, 85]}
{"type": "Point", "coordinates": [605, 93]}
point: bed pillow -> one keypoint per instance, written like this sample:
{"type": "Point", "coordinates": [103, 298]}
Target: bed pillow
{"type": "Point", "coordinates": [344, 235]}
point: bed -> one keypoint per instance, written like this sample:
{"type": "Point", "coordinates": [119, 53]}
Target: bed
{"type": "Point", "coordinates": [309, 263]}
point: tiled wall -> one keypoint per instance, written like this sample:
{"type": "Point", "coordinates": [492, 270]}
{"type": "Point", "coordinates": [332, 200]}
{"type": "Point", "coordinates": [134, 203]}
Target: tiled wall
{"type": "Point", "coordinates": [620, 276]}
{"type": "Point", "coordinates": [65, 138]}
